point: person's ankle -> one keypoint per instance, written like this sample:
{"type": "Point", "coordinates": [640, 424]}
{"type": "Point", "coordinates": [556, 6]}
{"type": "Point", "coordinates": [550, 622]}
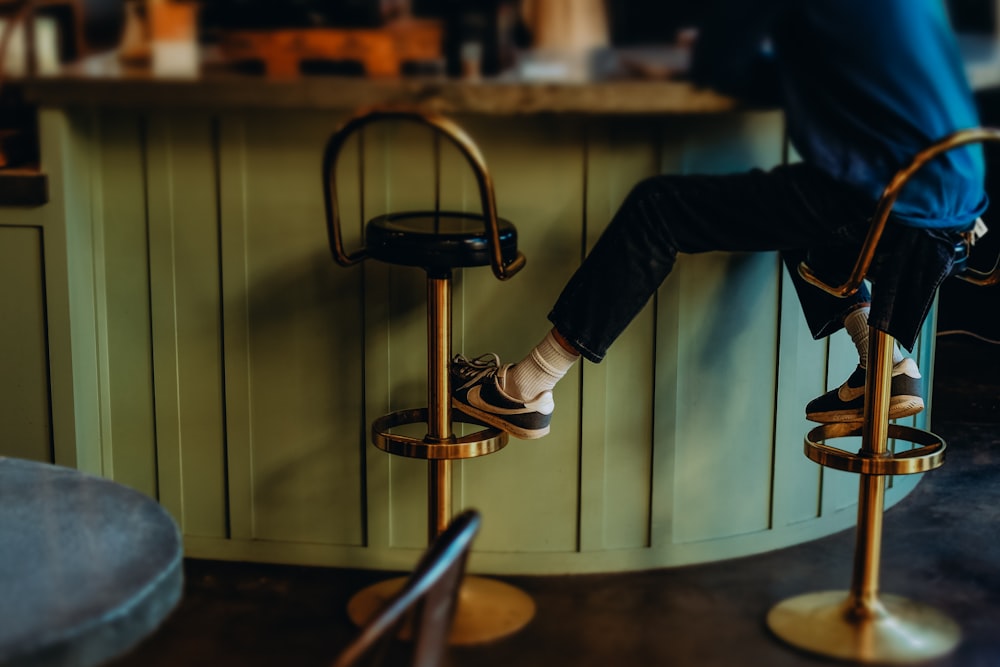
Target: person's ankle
{"type": "Point", "coordinates": [564, 342]}
{"type": "Point", "coordinates": [540, 370]}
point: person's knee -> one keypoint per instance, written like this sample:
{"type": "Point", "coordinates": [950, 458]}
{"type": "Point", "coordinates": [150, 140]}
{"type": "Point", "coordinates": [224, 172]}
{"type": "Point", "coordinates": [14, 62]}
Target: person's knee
{"type": "Point", "coordinates": [650, 213]}
{"type": "Point", "coordinates": [650, 191]}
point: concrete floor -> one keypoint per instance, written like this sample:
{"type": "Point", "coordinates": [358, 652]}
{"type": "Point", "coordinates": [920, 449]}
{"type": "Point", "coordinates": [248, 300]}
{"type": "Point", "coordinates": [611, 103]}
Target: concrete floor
{"type": "Point", "coordinates": [941, 548]}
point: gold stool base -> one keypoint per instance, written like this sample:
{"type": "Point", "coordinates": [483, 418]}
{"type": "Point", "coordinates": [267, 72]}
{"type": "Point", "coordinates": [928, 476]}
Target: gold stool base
{"type": "Point", "coordinates": [899, 632]}
{"type": "Point", "coordinates": [487, 609]}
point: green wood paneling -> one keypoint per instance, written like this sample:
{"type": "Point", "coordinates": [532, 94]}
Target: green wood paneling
{"type": "Point", "coordinates": [70, 287]}
{"type": "Point", "coordinates": [24, 369]}
{"type": "Point", "coordinates": [727, 330]}
{"type": "Point", "coordinates": [398, 175]}
{"type": "Point", "coordinates": [187, 334]}
{"type": "Point", "coordinates": [727, 333]}
{"type": "Point", "coordinates": [801, 373]}
{"type": "Point", "coordinates": [123, 309]}
{"type": "Point", "coordinates": [617, 398]}
{"type": "Point", "coordinates": [294, 347]}
{"type": "Point", "coordinates": [198, 248]}
{"type": "Point", "coordinates": [531, 488]}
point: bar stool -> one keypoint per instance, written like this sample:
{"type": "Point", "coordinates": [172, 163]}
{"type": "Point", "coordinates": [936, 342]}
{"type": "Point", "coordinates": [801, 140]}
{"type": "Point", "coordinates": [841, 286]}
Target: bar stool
{"type": "Point", "coordinates": [438, 242]}
{"type": "Point", "coordinates": [859, 624]}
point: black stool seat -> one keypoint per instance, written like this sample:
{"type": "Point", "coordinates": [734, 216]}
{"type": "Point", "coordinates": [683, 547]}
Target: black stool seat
{"type": "Point", "coordinates": [436, 240]}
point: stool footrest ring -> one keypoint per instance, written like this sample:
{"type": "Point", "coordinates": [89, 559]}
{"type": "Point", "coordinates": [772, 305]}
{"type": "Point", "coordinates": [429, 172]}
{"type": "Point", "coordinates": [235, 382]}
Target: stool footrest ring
{"type": "Point", "coordinates": [480, 443]}
{"type": "Point", "coordinates": [928, 456]}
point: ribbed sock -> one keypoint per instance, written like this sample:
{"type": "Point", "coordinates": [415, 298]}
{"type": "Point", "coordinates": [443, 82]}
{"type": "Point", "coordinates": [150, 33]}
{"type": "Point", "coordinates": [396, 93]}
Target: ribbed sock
{"type": "Point", "coordinates": [544, 366]}
{"type": "Point", "coordinates": [856, 324]}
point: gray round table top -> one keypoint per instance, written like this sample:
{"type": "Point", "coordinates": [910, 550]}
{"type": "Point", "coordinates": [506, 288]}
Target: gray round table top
{"type": "Point", "coordinates": [88, 567]}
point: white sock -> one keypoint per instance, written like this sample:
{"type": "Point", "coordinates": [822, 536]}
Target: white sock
{"type": "Point", "coordinates": [538, 372]}
{"type": "Point", "coordinates": [856, 324]}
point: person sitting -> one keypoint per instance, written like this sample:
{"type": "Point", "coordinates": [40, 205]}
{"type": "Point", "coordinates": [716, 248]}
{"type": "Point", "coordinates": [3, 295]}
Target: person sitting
{"type": "Point", "coordinates": [864, 86]}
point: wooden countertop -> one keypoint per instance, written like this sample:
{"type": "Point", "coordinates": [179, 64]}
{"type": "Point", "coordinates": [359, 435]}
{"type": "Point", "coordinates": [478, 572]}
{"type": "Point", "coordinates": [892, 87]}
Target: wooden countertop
{"type": "Point", "coordinates": [104, 82]}
{"type": "Point", "coordinates": [488, 97]}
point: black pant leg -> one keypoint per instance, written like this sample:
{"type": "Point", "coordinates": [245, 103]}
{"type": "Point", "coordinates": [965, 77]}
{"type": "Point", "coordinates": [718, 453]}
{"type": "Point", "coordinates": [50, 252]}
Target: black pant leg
{"type": "Point", "coordinates": [790, 208]}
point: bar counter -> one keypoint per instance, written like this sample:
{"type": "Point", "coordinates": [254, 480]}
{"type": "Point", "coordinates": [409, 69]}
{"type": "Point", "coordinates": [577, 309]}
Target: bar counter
{"type": "Point", "coordinates": [110, 86]}
{"type": "Point", "coordinates": [106, 82]}
{"type": "Point", "coordinates": [195, 340]}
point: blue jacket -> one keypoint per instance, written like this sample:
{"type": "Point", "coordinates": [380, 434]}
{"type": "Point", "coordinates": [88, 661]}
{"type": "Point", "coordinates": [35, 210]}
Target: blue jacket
{"type": "Point", "coordinates": [865, 85]}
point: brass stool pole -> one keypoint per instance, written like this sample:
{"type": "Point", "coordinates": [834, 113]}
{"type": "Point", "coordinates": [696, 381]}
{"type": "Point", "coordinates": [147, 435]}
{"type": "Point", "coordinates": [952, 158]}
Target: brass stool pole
{"type": "Point", "coordinates": [439, 496]}
{"type": "Point", "coordinates": [439, 399]}
{"type": "Point", "coordinates": [487, 609]}
{"type": "Point", "coordinates": [437, 241]}
{"type": "Point", "coordinates": [871, 491]}
{"type": "Point", "coordinates": [859, 624]}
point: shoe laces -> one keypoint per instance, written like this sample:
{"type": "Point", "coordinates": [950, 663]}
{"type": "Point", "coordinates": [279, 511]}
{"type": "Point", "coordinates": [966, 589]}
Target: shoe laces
{"type": "Point", "coordinates": [472, 370]}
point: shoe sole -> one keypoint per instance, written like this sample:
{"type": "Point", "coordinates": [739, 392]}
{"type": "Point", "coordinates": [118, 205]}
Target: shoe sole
{"type": "Point", "coordinates": [899, 407]}
{"type": "Point", "coordinates": [491, 419]}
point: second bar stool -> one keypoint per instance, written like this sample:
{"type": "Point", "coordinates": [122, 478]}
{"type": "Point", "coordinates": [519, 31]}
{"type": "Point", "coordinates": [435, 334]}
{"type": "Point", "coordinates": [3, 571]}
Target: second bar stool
{"type": "Point", "coordinates": [860, 624]}
{"type": "Point", "coordinates": [438, 242]}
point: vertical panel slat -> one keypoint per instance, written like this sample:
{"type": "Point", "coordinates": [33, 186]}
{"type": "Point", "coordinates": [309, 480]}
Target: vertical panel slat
{"type": "Point", "coordinates": [667, 367]}
{"type": "Point", "coordinates": [123, 301]}
{"type": "Point", "coordinates": [617, 400]}
{"type": "Point", "coordinates": [728, 325]}
{"type": "Point", "coordinates": [536, 165]}
{"type": "Point", "coordinates": [398, 176]}
{"type": "Point", "coordinates": [233, 254]}
{"type": "Point", "coordinates": [184, 256]}
{"type": "Point", "coordinates": [801, 372]}
{"type": "Point", "coordinates": [727, 333]}
{"type": "Point", "coordinates": [68, 246]}
{"type": "Point", "coordinates": [24, 391]}
{"type": "Point", "coordinates": [293, 338]}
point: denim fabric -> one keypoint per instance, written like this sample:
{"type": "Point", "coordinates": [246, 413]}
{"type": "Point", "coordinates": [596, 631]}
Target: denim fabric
{"type": "Point", "coordinates": [796, 209]}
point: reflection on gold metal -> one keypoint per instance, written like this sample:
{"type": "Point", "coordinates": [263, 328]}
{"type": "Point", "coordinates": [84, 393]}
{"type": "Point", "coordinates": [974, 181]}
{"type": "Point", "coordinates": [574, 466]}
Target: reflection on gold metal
{"type": "Point", "coordinates": [927, 457]}
{"type": "Point", "coordinates": [896, 630]}
{"type": "Point", "coordinates": [859, 624]}
{"type": "Point", "coordinates": [442, 126]}
{"type": "Point", "coordinates": [469, 446]}
{"type": "Point", "coordinates": [884, 208]}
{"type": "Point", "coordinates": [982, 278]}
{"type": "Point", "coordinates": [487, 609]}
{"type": "Point", "coordinates": [439, 443]}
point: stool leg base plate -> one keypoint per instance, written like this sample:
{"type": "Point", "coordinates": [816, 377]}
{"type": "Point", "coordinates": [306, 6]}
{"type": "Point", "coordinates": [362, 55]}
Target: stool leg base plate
{"type": "Point", "coordinates": [487, 609]}
{"type": "Point", "coordinates": [900, 632]}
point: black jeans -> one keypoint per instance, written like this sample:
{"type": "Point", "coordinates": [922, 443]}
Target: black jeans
{"type": "Point", "coordinates": [795, 209]}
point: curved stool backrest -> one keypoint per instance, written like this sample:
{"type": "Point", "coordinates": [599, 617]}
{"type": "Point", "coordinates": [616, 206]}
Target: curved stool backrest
{"type": "Point", "coordinates": [859, 624]}
{"type": "Point", "coordinates": [443, 127]}
{"type": "Point", "coordinates": [884, 208]}
{"type": "Point", "coordinates": [430, 594]}
{"type": "Point", "coordinates": [438, 242]}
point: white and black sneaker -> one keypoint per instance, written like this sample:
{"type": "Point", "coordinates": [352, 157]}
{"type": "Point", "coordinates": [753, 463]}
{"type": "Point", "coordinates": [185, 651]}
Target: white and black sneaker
{"type": "Point", "coordinates": [478, 391]}
{"type": "Point", "coordinates": [846, 403]}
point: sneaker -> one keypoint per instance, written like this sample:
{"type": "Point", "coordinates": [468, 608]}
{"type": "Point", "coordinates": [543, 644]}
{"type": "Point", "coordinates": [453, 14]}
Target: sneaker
{"type": "Point", "coordinates": [847, 402]}
{"type": "Point", "coordinates": [478, 391]}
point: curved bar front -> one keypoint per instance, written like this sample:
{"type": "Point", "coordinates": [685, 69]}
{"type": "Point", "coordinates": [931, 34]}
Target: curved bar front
{"type": "Point", "coordinates": [235, 370]}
